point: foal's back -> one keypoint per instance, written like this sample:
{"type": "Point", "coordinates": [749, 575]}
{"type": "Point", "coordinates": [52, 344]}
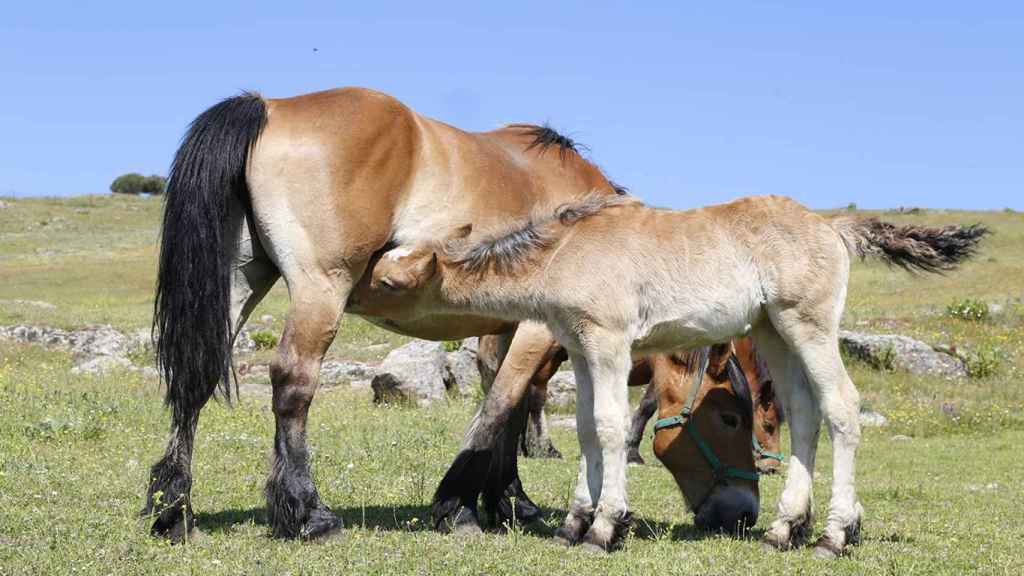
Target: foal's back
{"type": "Point", "coordinates": [687, 278]}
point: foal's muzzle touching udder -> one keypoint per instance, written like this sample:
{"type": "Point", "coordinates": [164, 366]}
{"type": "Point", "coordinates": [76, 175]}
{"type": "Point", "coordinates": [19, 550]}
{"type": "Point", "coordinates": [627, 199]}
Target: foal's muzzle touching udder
{"type": "Point", "coordinates": [728, 508]}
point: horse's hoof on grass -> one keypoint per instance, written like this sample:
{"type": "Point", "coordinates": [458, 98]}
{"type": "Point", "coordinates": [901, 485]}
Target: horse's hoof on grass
{"type": "Point", "coordinates": [592, 548]}
{"type": "Point", "coordinates": [462, 521]}
{"type": "Point", "coordinates": [826, 549]}
{"type": "Point", "coordinates": [177, 535]}
{"type": "Point", "coordinates": [562, 541]}
{"type": "Point", "coordinates": [772, 541]}
{"type": "Point", "coordinates": [322, 525]}
{"type": "Point", "coordinates": [467, 529]}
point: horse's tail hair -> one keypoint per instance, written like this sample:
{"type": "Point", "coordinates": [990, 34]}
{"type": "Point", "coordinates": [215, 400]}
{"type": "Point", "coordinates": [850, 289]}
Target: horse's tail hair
{"type": "Point", "coordinates": [913, 248]}
{"type": "Point", "coordinates": [192, 310]}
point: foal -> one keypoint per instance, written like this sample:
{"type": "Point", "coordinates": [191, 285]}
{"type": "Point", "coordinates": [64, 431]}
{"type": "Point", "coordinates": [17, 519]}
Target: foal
{"type": "Point", "coordinates": [681, 279]}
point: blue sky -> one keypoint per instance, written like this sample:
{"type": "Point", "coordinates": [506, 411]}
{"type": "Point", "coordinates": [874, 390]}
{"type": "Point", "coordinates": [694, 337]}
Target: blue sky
{"type": "Point", "coordinates": [879, 103]}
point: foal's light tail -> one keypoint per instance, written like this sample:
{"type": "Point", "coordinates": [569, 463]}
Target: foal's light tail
{"type": "Point", "coordinates": [191, 316]}
{"type": "Point", "coordinates": [914, 248]}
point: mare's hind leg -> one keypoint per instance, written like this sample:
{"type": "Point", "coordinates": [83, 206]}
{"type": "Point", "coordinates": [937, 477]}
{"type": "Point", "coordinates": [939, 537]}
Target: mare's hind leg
{"type": "Point", "coordinates": [795, 519]}
{"type": "Point", "coordinates": [170, 479]}
{"type": "Point", "coordinates": [293, 503]}
{"type": "Point", "coordinates": [648, 406]}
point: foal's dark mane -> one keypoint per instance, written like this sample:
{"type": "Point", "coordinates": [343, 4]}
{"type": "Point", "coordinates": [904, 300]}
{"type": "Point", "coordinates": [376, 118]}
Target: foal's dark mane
{"type": "Point", "coordinates": [506, 251]}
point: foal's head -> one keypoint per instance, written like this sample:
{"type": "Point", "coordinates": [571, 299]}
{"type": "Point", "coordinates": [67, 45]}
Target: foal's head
{"type": "Point", "coordinates": [709, 452]}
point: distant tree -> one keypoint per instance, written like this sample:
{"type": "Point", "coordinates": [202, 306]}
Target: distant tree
{"type": "Point", "coordinates": [154, 185]}
{"type": "Point", "coordinates": [134, 183]}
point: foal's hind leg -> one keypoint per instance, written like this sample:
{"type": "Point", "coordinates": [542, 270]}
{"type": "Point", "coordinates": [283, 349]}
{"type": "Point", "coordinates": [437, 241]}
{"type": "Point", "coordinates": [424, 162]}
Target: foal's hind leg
{"type": "Point", "coordinates": [170, 479]}
{"type": "Point", "coordinates": [293, 503]}
{"type": "Point", "coordinates": [795, 519]}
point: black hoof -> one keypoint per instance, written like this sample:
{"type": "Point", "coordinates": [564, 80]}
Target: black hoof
{"type": "Point", "coordinates": [458, 519]}
{"type": "Point", "coordinates": [566, 536]}
{"type": "Point", "coordinates": [634, 457]}
{"type": "Point", "coordinates": [826, 549]}
{"type": "Point", "coordinates": [176, 532]}
{"type": "Point", "coordinates": [526, 511]}
{"type": "Point", "coordinates": [322, 523]}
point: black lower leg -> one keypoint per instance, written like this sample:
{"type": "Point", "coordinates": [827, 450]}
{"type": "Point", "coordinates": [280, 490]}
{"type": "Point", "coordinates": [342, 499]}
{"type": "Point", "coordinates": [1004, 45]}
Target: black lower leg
{"type": "Point", "coordinates": [168, 498]}
{"type": "Point", "coordinates": [293, 503]}
{"type": "Point", "coordinates": [455, 501]}
{"type": "Point", "coordinates": [504, 499]}
{"type": "Point", "coordinates": [644, 412]}
{"type": "Point", "coordinates": [536, 442]}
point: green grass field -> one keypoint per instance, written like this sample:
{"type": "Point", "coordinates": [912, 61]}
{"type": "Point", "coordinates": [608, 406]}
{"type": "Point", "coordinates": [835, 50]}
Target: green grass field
{"type": "Point", "coordinates": [942, 489]}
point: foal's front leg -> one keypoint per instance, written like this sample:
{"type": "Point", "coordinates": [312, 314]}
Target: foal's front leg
{"type": "Point", "coordinates": [609, 369]}
{"type": "Point", "coordinates": [602, 412]}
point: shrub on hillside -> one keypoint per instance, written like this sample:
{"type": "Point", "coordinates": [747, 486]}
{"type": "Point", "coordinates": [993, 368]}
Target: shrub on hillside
{"type": "Point", "coordinates": [134, 183]}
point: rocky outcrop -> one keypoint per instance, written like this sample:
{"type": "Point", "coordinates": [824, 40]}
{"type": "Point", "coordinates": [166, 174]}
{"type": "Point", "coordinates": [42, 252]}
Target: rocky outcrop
{"type": "Point", "coordinates": [895, 352]}
{"type": "Point", "coordinates": [356, 374]}
{"type": "Point", "coordinates": [461, 373]}
{"type": "Point", "coordinates": [411, 374]}
{"type": "Point", "coordinates": [562, 389]}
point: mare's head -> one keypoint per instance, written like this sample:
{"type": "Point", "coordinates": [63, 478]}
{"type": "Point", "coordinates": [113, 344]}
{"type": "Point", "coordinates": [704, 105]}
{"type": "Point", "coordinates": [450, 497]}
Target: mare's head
{"type": "Point", "coordinates": [708, 452]}
{"type": "Point", "coordinates": [768, 415]}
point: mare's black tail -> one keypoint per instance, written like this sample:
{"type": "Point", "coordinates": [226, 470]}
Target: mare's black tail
{"type": "Point", "coordinates": [191, 318]}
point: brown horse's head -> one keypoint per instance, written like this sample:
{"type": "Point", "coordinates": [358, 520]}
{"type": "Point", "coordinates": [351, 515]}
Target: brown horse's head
{"type": "Point", "coordinates": [768, 414]}
{"type": "Point", "coordinates": [721, 418]}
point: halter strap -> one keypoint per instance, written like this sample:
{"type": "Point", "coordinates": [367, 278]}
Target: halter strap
{"type": "Point", "coordinates": [760, 451]}
{"type": "Point", "coordinates": [721, 471]}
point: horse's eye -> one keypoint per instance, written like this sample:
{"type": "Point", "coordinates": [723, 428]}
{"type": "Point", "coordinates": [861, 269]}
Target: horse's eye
{"type": "Point", "coordinates": [730, 420]}
{"type": "Point", "coordinates": [387, 284]}
{"type": "Point", "coordinates": [769, 428]}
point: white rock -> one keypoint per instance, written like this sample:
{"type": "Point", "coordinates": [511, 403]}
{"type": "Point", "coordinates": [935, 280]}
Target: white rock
{"type": "Point", "coordinates": [562, 389]}
{"type": "Point", "coordinates": [357, 374]}
{"type": "Point", "coordinates": [872, 418]}
{"type": "Point", "coordinates": [413, 374]}
{"type": "Point", "coordinates": [461, 372]}
{"type": "Point", "coordinates": [892, 351]}
{"type": "Point", "coordinates": [101, 365]}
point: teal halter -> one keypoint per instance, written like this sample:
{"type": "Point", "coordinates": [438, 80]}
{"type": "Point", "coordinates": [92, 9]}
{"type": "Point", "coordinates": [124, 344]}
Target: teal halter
{"type": "Point", "coordinates": [721, 471]}
{"type": "Point", "coordinates": [765, 454]}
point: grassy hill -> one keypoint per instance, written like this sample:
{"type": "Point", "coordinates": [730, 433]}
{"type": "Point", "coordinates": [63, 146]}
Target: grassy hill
{"type": "Point", "coordinates": [941, 481]}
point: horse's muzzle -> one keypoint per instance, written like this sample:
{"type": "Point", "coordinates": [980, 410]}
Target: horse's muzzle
{"type": "Point", "coordinates": [728, 509]}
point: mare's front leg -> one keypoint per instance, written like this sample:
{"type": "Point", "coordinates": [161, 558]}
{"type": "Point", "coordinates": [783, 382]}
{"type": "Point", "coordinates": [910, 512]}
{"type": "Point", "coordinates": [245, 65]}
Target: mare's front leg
{"type": "Point", "coordinates": [293, 503]}
{"type": "Point", "coordinates": [495, 428]}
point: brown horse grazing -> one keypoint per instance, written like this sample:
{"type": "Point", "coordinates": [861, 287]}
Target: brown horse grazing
{"type": "Point", "coordinates": [768, 413]}
{"type": "Point", "coordinates": [536, 443]}
{"type": "Point", "coordinates": [664, 377]}
{"type": "Point", "coordinates": [312, 188]}
{"type": "Point", "coordinates": [612, 278]}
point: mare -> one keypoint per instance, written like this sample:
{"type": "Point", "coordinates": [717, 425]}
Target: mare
{"type": "Point", "coordinates": [312, 189]}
